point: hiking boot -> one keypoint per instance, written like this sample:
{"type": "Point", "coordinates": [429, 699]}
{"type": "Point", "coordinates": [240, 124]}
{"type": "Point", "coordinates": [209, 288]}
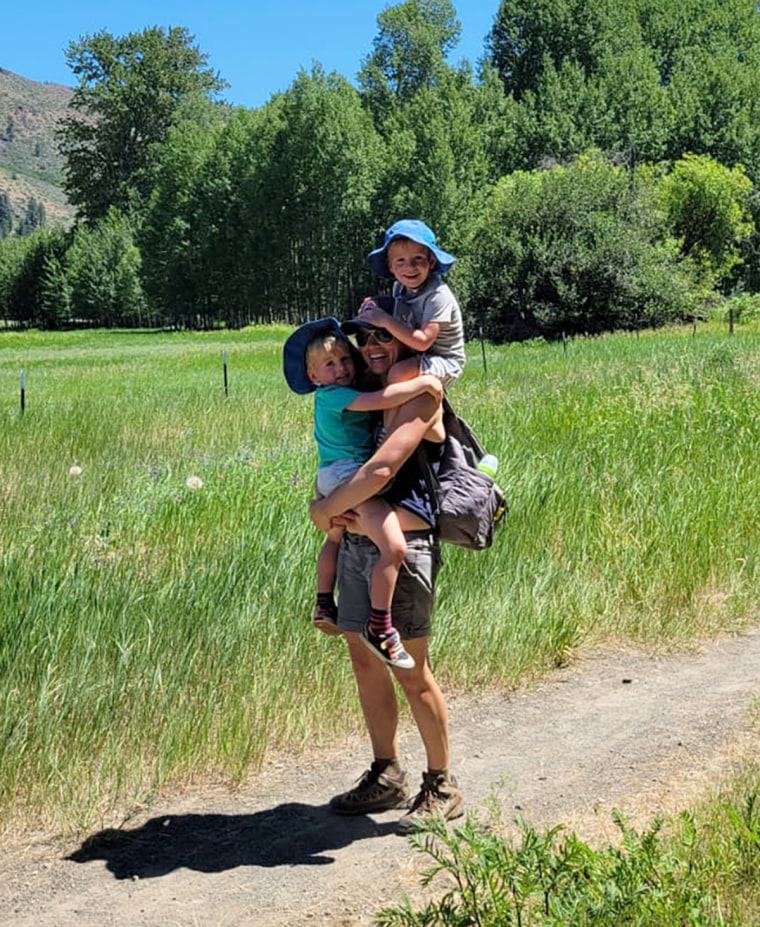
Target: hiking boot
{"type": "Point", "coordinates": [388, 648]}
{"type": "Point", "coordinates": [439, 796]}
{"type": "Point", "coordinates": [380, 788]}
{"type": "Point", "coordinates": [325, 620]}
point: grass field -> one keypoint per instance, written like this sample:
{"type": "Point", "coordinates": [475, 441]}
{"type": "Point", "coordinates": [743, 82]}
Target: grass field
{"type": "Point", "coordinates": [155, 630]}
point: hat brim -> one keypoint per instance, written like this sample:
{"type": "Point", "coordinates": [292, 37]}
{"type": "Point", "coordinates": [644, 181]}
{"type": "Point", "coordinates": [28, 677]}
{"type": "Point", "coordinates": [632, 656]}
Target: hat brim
{"type": "Point", "coordinates": [352, 326]}
{"type": "Point", "coordinates": [294, 352]}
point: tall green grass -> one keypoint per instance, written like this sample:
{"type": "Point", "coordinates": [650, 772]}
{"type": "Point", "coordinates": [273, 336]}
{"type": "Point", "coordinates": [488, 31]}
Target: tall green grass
{"type": "Point", "coordinates": [151, 633]}
{"type": "Point", "coordinates": [633, 480]}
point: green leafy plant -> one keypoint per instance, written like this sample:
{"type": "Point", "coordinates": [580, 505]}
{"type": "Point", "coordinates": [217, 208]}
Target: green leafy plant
{"type": "Point", "coordinates": [553, 879]}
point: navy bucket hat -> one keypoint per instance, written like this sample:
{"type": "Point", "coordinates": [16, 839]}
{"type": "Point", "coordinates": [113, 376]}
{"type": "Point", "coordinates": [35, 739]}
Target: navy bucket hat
{"type": "Point", "coordinates": [294, 352]}
{"type": "Point", "coordinates": [416, 231]}
{"type": "Point", "coordinates": [352, 326]}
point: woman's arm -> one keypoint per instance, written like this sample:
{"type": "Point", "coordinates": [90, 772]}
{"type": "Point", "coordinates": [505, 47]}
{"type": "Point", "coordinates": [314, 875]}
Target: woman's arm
{"type": "Point", "coordinates": [411, 424]}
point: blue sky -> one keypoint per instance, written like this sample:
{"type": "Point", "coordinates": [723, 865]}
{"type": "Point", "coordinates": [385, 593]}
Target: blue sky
{"type": "Point", "coordinates": [257, 46]}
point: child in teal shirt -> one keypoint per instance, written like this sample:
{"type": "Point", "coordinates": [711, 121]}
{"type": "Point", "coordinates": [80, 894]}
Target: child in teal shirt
{"type": "Point", "coordinates": [319, 358]}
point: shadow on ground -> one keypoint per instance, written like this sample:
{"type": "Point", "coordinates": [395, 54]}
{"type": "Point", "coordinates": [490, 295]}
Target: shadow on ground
{"type": "Point", "coordinates": [291, 834]}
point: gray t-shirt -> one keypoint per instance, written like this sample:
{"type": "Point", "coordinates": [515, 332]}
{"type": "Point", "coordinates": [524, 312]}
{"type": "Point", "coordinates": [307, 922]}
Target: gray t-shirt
{"type": "Point", "coordinates": [433, 302]}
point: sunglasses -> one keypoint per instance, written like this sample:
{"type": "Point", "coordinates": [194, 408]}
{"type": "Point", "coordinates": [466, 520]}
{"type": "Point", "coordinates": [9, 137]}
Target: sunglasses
{"type": "Point", "coordinates": [379, 335]}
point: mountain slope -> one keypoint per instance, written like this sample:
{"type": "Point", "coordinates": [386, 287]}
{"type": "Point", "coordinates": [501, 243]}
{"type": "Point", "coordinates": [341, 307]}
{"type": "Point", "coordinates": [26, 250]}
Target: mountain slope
{"type": "Point", "coordinates": [30, 165]}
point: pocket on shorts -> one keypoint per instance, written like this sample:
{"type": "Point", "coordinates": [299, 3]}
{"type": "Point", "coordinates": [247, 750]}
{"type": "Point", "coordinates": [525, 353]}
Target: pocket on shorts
{"type": "Point", "coordinates": [413, 603]}
{"type": "Point", "coordinates": [421, 565]}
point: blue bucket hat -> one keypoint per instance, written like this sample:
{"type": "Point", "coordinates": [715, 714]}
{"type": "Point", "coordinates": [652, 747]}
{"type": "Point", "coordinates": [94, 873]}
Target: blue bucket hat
{"type": "Point", "coordinates": [416, 231]}
{"type": "Point", "coordinates": [294, 352]}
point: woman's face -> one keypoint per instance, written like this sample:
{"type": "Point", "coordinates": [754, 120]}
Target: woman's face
{"type": "Point", "coordinates": [379, 356]}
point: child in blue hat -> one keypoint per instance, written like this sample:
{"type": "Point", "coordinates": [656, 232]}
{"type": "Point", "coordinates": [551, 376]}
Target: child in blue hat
{"type": "Point", "coordinates": [426, 316]}
{"type": "Point", "coordinates": [318, 358]}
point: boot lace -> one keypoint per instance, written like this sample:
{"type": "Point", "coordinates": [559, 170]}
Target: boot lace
{"type": "Point", "coordinates": [428, 797]}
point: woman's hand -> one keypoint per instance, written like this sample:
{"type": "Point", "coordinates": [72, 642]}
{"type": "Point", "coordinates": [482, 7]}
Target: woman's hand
{"type": "Point", "coordinates": [319, 512]}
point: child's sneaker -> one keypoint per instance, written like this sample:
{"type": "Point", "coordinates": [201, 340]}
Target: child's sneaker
{"type": "Point", "coordinates": [388, 648]}
{"type": "Point", "coordinates": [325, 620]}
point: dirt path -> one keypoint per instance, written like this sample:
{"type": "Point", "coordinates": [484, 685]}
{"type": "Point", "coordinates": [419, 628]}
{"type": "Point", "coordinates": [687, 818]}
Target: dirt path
{"type": "Point", "coordinates": [618, 729]}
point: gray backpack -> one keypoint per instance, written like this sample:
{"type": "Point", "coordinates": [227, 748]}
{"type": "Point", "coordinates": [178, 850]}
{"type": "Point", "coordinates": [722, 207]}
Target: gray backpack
{"type": "Point", "coordinates": [470, 506]}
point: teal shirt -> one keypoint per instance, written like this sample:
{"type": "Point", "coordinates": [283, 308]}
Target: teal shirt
{"type": "Point", "coordinates": [341, 434]}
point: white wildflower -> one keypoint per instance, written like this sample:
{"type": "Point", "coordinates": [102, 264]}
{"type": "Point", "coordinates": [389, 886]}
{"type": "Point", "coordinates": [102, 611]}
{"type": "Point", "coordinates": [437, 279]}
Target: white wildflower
{"type": "Point", "coordinates": [75, 471]}
{"type": "Point", "coordinates": [194, 482]}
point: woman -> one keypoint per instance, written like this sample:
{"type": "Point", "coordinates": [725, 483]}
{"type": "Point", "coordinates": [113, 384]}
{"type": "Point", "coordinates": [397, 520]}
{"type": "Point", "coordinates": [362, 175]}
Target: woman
{"type": "Point", "coordinates": [418, 423]}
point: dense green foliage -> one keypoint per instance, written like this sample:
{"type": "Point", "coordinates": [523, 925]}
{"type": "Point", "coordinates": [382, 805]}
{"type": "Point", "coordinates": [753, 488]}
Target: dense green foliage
{"type": "Point", "coordinates": [151, 631]}
{"type": "Point", "coordinates": [573, 250]}
{"type": "Point", "coordinates": [228, 217]}
{"type": "Point", "coordinates": [640, 79]}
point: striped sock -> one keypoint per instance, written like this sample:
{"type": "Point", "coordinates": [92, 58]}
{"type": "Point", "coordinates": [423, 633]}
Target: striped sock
{"type": "Point", "coordinates": [326, 601]}
{"type": "Point", "coordinates": [379, 621]}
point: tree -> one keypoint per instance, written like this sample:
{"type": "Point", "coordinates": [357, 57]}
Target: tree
{"type": "Point", "coordinates": [408, 53]}
{"type": "Point", "coordinates": [23, 262]}
{"type": "Point", "coordinates": [131, 91]}
{"type": "Point", "coordinates": [675, 30]}
{"type": "Point", "coordinates": [437, 162]}
{"type": "Point", "coordinates": [176, 225]}
{"type": "Point", "coordinates": [529, 36]}
{"type": "Point", "coordinates": [440, 130]}
{"type": "Point", "coordinates": [716, 106]}
{"type": "Point", "coordinates": [103, 274]}
{"type": "Point", "coordinates": [268, 216]}
{"type": "Point", "coordinates": [55, 290]}
{"type": "Point", "coordinates": [6, 215]}
{"type": "Point", "coordinates": [709, 208]}
{"type": "Point", "coordinates": [553, 119]}
{"type": "Point", "coordinates": [316, 191]}
{"type": "Point", "coordinates": [33, 218]}
{"type": "Point", "coordinates": [12, 253]}
{"type": "Point", "coordinates": [630, 113]}
{"type": "Point", "coordinates": [640, 79]}
{"type": "Point", "coordinates": [584, 77]}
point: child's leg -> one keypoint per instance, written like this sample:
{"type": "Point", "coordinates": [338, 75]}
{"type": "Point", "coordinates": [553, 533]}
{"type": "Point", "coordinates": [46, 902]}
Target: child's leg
{"type": "Point", "coordinates": [325, 613]}
{"type": "Point", "coordinates": [327, 562]}
{"type": "Point", "coordinates": [381, 525]}
{"type": "Point", "coordinates": [404, 370]}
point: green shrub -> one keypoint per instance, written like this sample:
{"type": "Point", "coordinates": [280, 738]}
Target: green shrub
{"type": "Point", "coordinates": [554, 879]}
{"type": "Point", "coordinates": [577, 249]}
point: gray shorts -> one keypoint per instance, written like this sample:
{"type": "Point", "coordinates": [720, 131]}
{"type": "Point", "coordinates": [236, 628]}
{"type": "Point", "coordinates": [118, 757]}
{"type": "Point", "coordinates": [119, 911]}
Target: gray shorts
{"type": "Point", "coordinates": [414, 598]}
{"type": "Point", "coordinates": [334, 475]}
{"type": "Point", "coordinates": [448, 371]}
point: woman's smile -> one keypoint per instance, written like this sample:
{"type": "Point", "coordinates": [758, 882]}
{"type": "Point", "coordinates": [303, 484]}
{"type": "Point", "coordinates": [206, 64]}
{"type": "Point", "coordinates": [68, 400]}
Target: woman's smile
{"type": "Point", "coordinates": [379, 357]}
